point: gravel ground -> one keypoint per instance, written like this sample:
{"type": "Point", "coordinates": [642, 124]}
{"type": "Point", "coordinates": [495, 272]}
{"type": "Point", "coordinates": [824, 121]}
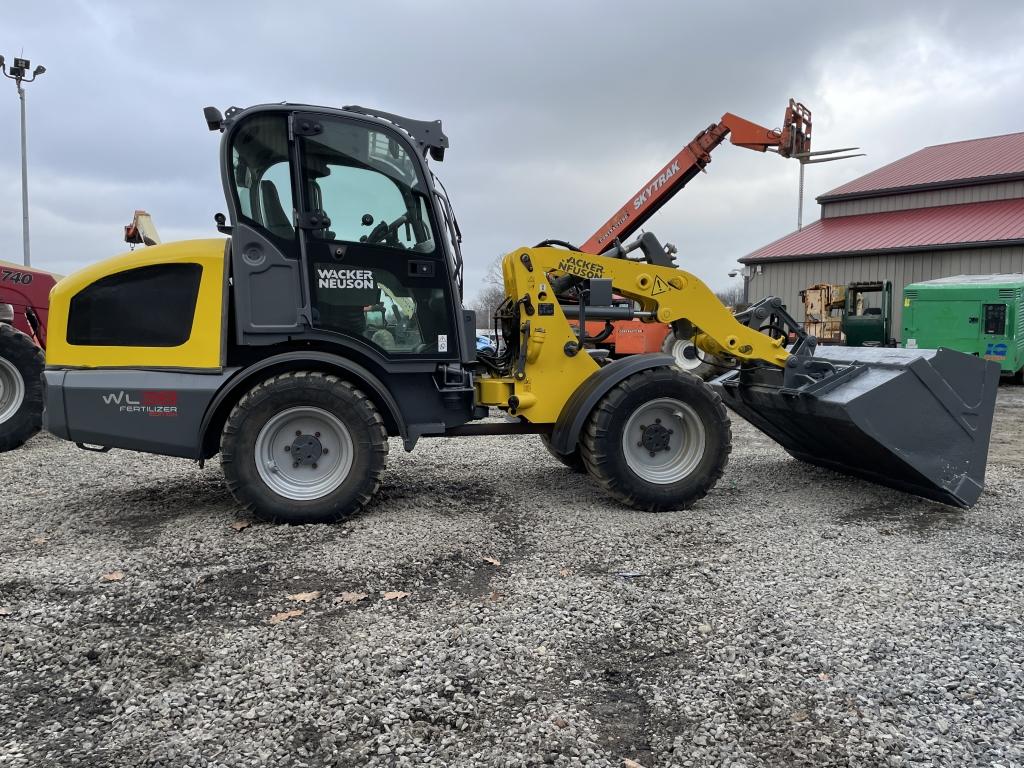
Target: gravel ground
{"type": "Point", "coordinates": [795, 617]}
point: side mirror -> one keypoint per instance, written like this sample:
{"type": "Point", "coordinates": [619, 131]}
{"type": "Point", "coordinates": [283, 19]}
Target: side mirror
{"type": "Point", "coordinates": [367, 220]}
{"type": "Point", "coordinates": [214, 119]}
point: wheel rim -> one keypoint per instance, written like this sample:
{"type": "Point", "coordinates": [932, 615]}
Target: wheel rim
{"type": "Point", "coordinates": [664, 441]}
{"type": "Point", "coordinates": [685, 353]}
{"type": "Point", "coordinates": [12, 390]}
{"type": "Point", "coordinates": [304, 453]}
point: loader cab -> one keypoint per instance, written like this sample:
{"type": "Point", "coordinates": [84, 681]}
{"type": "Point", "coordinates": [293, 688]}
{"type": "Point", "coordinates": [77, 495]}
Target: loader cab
{"type": "Point", "coordinates": [339, 235]}
{"type": "Point", "coordinates": [867, 316]}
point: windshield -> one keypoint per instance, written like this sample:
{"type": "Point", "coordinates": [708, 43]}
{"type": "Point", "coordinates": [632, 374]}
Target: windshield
{"type": "Point", "coordinates": [369, 187]}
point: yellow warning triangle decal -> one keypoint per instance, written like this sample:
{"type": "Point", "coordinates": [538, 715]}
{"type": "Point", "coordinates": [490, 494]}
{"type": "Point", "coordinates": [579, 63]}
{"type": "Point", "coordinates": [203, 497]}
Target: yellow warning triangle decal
{"type": "Point", "coordinates": [660, 286]}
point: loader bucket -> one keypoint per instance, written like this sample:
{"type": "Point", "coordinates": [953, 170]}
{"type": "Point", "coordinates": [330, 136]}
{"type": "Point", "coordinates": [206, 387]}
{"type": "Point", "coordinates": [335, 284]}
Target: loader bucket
{"type": "Point", "coordinates": [913, 419]}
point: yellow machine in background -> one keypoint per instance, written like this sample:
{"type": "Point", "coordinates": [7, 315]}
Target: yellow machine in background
{"type": "Point", "coordinates": [823, 311]}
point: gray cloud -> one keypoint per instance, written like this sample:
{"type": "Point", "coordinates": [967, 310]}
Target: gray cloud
{"type": "Point", "coordinates": [557, 112]}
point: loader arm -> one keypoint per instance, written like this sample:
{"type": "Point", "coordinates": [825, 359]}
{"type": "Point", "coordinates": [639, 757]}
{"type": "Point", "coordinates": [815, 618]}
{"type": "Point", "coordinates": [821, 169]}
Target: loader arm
{"type": "Point", "coordinates": [794, 138]}
{"type": "Point", "coordinates": [670, 295]}
{"type": "Point", "coordinates": [547, 361]}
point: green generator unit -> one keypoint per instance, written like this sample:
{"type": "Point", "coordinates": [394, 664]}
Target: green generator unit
{"type": "Point", "coordinates": [981, 315]}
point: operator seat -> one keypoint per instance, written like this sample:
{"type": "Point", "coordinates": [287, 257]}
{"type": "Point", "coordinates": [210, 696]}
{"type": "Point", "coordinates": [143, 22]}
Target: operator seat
{"type": "Point", "coordinates": [274, 217]}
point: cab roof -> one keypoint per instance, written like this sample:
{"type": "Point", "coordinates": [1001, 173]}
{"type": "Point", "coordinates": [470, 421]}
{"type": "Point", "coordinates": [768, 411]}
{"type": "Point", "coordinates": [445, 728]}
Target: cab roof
{"type": "Point", "coordinates": [428, 135]}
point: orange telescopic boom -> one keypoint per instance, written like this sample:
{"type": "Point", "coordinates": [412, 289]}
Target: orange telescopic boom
{"type": "Point", "coordinates": [793, 140]}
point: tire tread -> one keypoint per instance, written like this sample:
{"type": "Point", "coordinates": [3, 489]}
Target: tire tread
{"type": "Point", "coordinates": [597, 442]}
{"type": "Point", "coordinates": [30, 361]}
{"type": "Point", "coordinates": [318, 380]}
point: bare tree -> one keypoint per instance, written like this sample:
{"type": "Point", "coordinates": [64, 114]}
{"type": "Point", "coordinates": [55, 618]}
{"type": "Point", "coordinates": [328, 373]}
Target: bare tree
{"type": "Point", "coordinates": [491, 294]}
{"type": "Point", "coordinates": [487, 302]}
{"type": "Point", "coordinates": [731, 296]}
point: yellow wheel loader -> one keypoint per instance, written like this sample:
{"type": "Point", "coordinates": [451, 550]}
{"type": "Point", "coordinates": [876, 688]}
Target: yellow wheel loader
{"type": "Point", "coordinates": [331, 318]}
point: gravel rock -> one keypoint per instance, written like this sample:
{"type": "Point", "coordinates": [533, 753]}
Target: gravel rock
{"type": "Point", "coordinates": [793, 617]}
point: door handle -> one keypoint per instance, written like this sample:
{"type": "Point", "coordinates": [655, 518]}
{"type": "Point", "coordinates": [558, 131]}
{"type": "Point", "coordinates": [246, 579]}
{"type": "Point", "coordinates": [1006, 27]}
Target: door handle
{"type": "Point", "coordinates": [419, 268]}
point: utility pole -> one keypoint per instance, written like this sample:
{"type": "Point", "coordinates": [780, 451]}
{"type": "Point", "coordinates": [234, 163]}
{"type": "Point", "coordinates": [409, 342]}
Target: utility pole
{"type": "Point", "coordinates": [17, 73]}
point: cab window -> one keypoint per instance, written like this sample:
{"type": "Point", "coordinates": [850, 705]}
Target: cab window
{"type": "Point", "coordinates": [262, 184]}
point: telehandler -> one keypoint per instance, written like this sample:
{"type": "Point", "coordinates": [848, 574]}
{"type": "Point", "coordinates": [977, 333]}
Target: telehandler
{"type": "Point", "coordinates": [331, 318]}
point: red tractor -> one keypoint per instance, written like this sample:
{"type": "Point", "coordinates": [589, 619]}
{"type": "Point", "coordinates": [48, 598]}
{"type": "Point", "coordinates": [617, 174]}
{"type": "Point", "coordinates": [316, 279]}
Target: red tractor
{"type": "Point", "coordinates": [24, 303]}
{"type": "Point", "coordinates": [24, 311]}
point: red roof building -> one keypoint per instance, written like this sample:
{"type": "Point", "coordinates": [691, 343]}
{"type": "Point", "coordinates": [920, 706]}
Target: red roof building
{"type": "Point", "coordinates": [944, 210]}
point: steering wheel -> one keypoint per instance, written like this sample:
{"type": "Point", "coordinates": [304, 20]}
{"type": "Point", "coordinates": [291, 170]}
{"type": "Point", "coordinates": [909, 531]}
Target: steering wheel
{"type": "Point", "coordinates": [385, 232]}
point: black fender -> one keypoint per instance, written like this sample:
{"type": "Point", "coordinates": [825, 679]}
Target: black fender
{"type": "Point", "coordinates": [566, 434]}
{"type": "Point", "coordinates": [323, 361]}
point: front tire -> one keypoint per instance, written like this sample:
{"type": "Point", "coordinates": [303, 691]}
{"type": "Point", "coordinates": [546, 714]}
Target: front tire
{"type": "Point", "coordinates": [659, 440]}
{"type": "Point", "coordinates": [21, 388]}
{"type": "Point", "coordinates": [573, 460]}
{"type": "Point", "coordinates": [304, 447]}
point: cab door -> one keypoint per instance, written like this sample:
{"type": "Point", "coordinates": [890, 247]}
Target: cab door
{"type": "Point", "coordinates": [270, 295]}
{"type": "Point", "coordinates": [378, 274]}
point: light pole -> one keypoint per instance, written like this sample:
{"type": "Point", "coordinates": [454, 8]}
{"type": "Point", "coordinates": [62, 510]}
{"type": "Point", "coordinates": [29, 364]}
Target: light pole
{"type": "Point", "coordinates": [746, 282]}
{"type": "Point", "coordinates": [17, 73]}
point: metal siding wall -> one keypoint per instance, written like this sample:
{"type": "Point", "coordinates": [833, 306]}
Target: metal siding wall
{"type": "Point", "coordinates": [927, 199]}
{"type": "Point", "coordinates": [787, 278]}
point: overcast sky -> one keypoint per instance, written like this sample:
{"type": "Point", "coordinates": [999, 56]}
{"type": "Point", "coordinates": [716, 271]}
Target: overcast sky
{"type": "Point", "coordinates": [556, 111]}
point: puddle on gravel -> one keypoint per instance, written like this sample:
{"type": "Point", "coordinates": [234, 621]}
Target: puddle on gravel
{"type": "Point", "coordinates": [903, 518]}
{"type": "Point", "coordinates": [625, 722]}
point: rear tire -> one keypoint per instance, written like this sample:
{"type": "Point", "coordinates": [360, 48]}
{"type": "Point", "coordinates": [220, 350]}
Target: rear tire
{"type": "Point", "coordinates": [573, 460]}
{"type": "Point", "coordinates": [659, 440]}
{"type": "Point", "coordinates": [21, 388]}
{"type": "Point", "coordinates": [304, 447]}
